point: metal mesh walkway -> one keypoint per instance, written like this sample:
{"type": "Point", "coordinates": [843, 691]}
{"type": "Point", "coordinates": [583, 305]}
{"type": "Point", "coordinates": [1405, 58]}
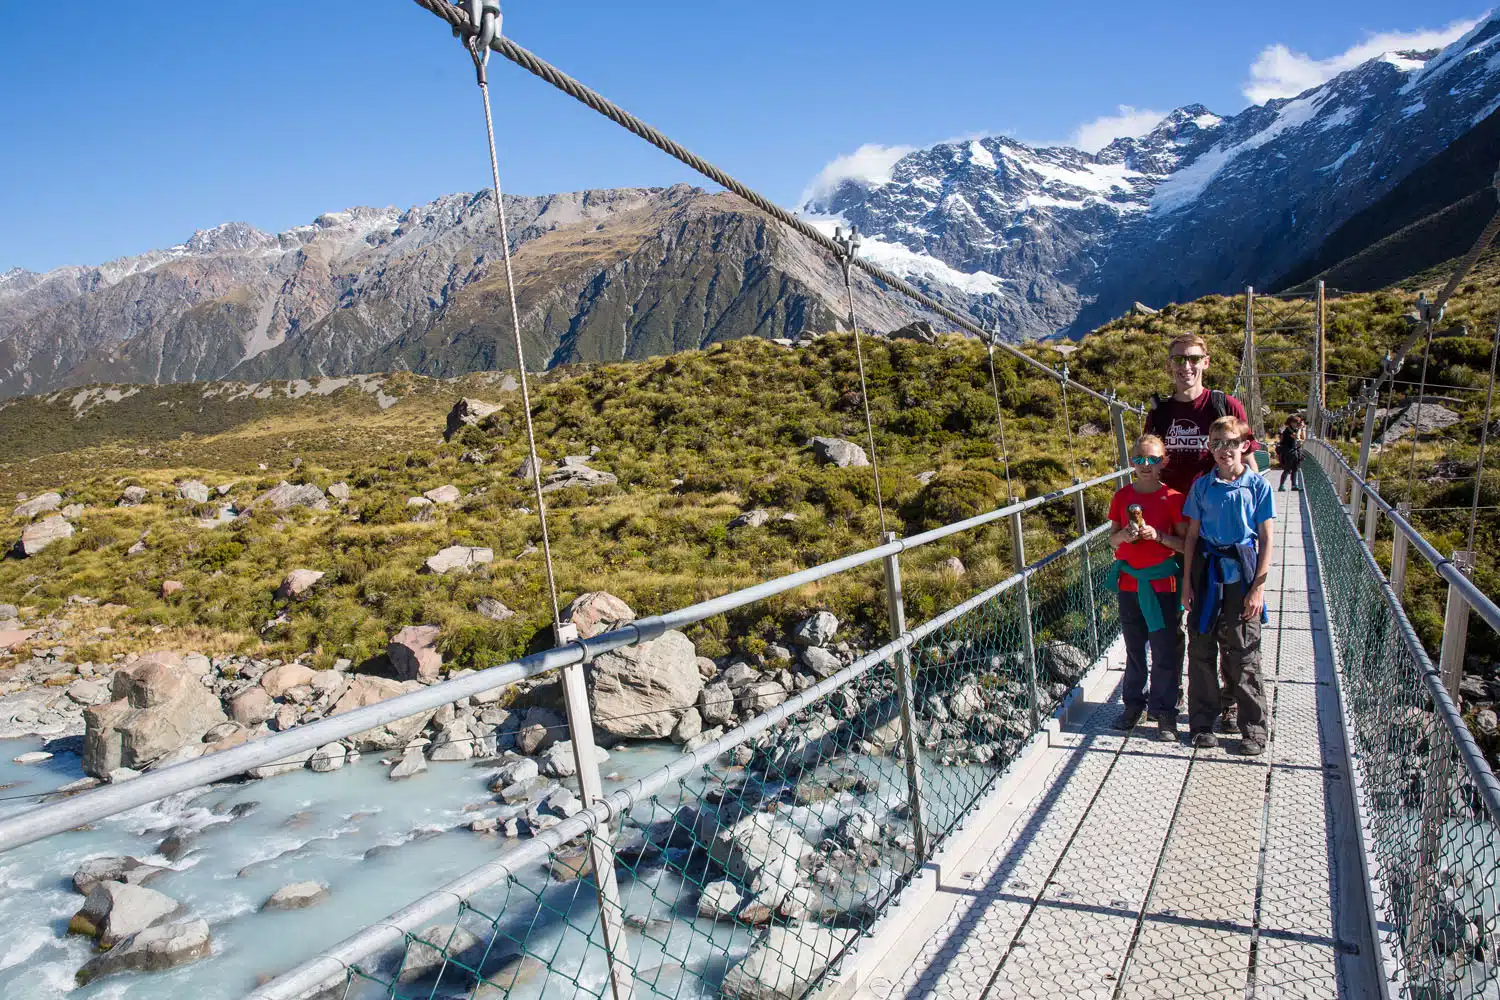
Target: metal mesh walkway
{"type": "Point", "coordinates": [1120, 867]}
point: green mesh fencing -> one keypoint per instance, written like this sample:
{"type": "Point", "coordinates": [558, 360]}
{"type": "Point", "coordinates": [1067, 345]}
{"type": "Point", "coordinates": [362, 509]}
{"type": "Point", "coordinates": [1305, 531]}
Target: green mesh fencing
{"type": "Point", "coordinates": [756, 873]}
{"type": "Point", "coordinates": [1435, 845]}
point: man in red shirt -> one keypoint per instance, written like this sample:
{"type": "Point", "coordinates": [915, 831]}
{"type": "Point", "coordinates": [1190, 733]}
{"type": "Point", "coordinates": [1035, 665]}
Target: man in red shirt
{"type": "Point", "coordinates": [1182, 421]}
{"type": "Point", "coordinates": [1149, 526]}
{"type": "Point", "coordinates": [1183, 418]}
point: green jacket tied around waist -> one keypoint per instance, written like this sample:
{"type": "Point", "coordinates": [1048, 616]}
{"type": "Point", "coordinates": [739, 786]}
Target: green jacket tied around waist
{"type": "Point", "coordinates": [1150, 609]}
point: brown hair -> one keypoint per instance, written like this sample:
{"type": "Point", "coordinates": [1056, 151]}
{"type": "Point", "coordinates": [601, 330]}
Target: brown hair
{"type": "Point", "coordinates": [1229, 424]}
{"type": "Point", "coordinates": [1188, 340]}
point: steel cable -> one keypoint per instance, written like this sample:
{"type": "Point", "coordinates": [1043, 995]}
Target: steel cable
{"type": "Point", "coordinates": [515, 318]}
{"type": "Point", "coordinates": [1484, 435]}
{"type": "Point", "coordinates": [551, 74]}
{"type": "Point", "coordinates": [1000, 422]}
{"type": "Point", "coordinates": [847, 258]}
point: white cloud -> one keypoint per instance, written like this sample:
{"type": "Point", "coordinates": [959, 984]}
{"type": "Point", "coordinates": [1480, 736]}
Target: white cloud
{"type": "Point", "coordinates": [870, 164]}
{"type": "Point", "coordinates": [1280, 72]}
{"type": "Point", "coordinates": [1129, 122]}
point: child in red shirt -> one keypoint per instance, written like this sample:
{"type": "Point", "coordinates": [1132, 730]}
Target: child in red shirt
{"type": "Point", "coordinates": [1147, 515]}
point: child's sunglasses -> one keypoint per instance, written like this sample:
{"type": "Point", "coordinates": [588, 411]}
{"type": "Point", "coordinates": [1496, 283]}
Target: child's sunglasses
{"type": "Point", "coordinates": [1145, 459]}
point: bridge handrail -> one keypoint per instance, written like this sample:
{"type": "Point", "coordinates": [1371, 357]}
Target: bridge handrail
{"type": "Point", "coordinates": [1445, 567]}
{"type": "Point", "coordinates": [96, 804]}
{"type": "Point", "coordinates": [1443, 703]}
{"type": "Point", "coordinates": [334, 963]}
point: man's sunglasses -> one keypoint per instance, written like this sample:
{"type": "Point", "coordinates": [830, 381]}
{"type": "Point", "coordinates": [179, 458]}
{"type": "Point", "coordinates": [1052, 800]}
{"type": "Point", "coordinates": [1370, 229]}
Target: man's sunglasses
{"type": "Point", "coordinates": [1188, 359]}
{"type": "Point", "coordinates": [1145, 459]}
{"type": "Point", "coordinates": [1223, 444]}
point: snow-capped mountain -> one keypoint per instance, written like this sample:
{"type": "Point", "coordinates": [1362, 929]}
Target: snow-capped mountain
{"type": "Point", "coordinates": [1066, 239]}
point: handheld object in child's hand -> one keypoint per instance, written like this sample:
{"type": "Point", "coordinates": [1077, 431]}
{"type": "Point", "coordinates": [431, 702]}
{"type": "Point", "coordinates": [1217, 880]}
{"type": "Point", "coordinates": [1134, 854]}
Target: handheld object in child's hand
{"type": "Point", "coordinates": [1137, 517]}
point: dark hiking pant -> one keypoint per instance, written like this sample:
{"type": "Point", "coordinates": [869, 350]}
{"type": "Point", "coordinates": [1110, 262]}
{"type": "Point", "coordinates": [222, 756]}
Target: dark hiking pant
{"type": "Point", "coordinates": [1291, 469]}
{"type": "Point", "coordinates": [1240, 643]}
{"type": "Point", "coordinates": [1165, 646]}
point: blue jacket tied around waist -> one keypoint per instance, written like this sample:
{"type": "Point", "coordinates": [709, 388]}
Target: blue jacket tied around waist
{"type": "Point", "coordinates": [1208, 579]}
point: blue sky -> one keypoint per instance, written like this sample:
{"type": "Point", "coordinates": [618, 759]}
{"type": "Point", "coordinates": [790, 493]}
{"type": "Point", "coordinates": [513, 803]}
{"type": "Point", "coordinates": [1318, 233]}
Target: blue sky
{"type": "Point", "coordinates": [152, 120]}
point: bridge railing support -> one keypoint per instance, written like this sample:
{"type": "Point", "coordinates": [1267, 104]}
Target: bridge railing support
{"type": "Point", "coordinates": [1400, 545]}
{"type": "Point", "coordinates": [1028, 640]}
{"type": "Point", "coordinates": [1081, 516]}
{"type": "Point", "coordinates": [600, 841]}
{"type": "Point", "coordinates": [1372, 514]}
{"type": "Point", "coordinates": [1455, 628]}
{"type": "Point", "coordinates": [896, 608]}
{"type": "Point", "coordinates": [1122, 441]}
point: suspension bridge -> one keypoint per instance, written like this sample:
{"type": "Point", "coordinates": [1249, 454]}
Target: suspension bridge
{"type": "Point", "coordinates": [951, 814]}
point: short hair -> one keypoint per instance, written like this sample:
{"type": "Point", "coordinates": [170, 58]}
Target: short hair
{"type": "Point", "coordinates": [1145, 439]}
{"type": "Point", "coordinates": [1229, 424]}
{"type": "Point", "coordinates": [1188, 340]}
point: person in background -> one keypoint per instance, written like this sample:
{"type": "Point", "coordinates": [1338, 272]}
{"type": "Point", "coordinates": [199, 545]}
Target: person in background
{"type": "Point", "coordinates": [1183, 418]}
{"type": "Point", "coordinates": [1289, 452]}
{"type": "Point", "coordinates": [1228, 552]}
{"type": "Point", "coordinates": [1149, 526]}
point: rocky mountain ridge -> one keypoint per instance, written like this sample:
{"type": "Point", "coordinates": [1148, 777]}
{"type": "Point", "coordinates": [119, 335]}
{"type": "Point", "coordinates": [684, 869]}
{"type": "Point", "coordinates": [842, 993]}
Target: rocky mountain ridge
{"type": "Point", "coordinates": [1201, 204]}
{"type": "Point", "coordinates": [602, 275]}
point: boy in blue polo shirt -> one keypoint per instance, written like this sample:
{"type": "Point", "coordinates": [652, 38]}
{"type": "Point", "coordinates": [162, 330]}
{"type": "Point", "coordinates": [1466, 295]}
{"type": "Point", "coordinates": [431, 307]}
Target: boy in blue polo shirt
{"type": "Point", "coordinates": [1227, 551]}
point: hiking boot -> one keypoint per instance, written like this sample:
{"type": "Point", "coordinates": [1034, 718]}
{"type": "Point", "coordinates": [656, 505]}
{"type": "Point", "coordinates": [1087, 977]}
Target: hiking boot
{"type": "Point", "coordinates": [1252, 746]}
{"type": "Point", "coordinates": [1129, 719]}
{"type": "Point", "coordinates": [1229, 720]}
{"type": "Point", "coordinates": [1166, 730]}
{"type": "Point", "coordinates": [1205, 740]}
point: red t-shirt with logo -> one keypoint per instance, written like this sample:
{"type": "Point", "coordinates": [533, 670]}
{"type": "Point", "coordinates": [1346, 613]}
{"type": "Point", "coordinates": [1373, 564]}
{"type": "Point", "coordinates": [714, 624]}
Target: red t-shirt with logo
{"type": "Point", "coordinates": [1186, 436]}
{"type": "Point", "coordinates": [1162, 510]}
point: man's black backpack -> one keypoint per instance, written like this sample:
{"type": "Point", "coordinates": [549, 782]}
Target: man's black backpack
{"type": "Point", "coordinates": [1158, 421]}
{"type": "Point", "coordinates": [1289, 447]}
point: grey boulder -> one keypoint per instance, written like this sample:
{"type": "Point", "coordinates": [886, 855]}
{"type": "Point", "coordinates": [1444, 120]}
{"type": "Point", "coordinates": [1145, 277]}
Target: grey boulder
{"type": "Point", "coordinates": [837, 451]}
{"type": "Point", "coordinates": [638, 692]}
{"type": "Point", "coordinates": [152, 950]}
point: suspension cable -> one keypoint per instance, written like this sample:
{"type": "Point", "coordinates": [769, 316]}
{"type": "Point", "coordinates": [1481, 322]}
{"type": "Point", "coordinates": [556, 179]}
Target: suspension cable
{"type": "Point", "coordinates": [1068, 422]}
{"type": "Point", "coordinates": [1484, 436]}
{"type": "Point", "coordinates": [849, 248]}
{"type": "Point", "coordinates": [479, 50]}
{"type": "Point", "coordinates": [459, 20]}
{"type": "Point", "coordinates": [1411, 475]}
{"type": "Point", "coordinates": [1000, 420]}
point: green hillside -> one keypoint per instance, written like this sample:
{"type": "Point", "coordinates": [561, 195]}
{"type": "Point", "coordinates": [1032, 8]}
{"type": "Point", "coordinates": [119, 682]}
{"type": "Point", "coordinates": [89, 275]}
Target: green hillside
{"type": "Point", "coordinates": [694, 438]}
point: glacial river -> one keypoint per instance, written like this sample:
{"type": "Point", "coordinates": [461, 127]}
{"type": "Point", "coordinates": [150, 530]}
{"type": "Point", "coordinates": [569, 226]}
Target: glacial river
{"type": "Point", "coordinates": [319, 827]}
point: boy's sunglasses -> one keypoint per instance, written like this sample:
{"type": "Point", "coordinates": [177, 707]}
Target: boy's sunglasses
{"type": "Point", "coordinates": [1188, 359]}
{"type": "Point", "coordinates": [1145, 460]}
{"type": "Point", "coordinates": [1223, 444]}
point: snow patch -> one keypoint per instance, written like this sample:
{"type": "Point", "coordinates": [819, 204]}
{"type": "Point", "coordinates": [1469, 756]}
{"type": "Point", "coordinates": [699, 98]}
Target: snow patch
{"type": "Point", "coordinates": [980, 156]}
{"type": "Point", "coordinates": [1207, 121]}
{"type": "Point", "coordinates": [1183, 187]}
{"type": "Point", "coordinates": [1412, 109]}
{"type": "Point", "coordinates": [1336, 164]}
{"type": "Point", "coordinates": [908, 263]}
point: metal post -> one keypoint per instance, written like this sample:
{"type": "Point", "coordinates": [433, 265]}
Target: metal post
{"type": "Point", "coordinates": [1372, 514]}
{"type": "Point", "coordinates": [1081, 516]}
{"type": "Point", "coordinates": [1365, 440]}
{"type": "Point", "coordinates": [601, 841]}
{"type": "Point", "coordinates": [1315, 370]}
{"type": "Point", "coordinates": [1398, 553]}
{"type": "Point", "coordinates": [896, 608]}
{"type": "Point", "coordinates": [1122, 443]}
{"type": "Point", "coordinates": [1257, 424]}
{"type": "Point", "coordinates": [1028, 641]}
{"type": "Point", "coordinates": [1455, 629]}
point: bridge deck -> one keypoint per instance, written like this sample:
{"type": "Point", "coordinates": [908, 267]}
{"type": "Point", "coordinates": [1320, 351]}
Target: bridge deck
{"type": "Point", "coordinates": [1115, 866]}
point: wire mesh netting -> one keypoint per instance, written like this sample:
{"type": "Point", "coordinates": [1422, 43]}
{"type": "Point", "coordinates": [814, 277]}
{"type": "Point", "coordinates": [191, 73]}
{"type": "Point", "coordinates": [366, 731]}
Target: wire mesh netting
{"type": "Point", "coordinates": [752, 874]}
{"type": "Point", "coordinates": [1435, 846]}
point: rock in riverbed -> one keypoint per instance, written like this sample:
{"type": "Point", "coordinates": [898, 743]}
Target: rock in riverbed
{"type": "Point", "coordinates": [152, 950]}
{"type": "Point", "coordinates": [297, 896]}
